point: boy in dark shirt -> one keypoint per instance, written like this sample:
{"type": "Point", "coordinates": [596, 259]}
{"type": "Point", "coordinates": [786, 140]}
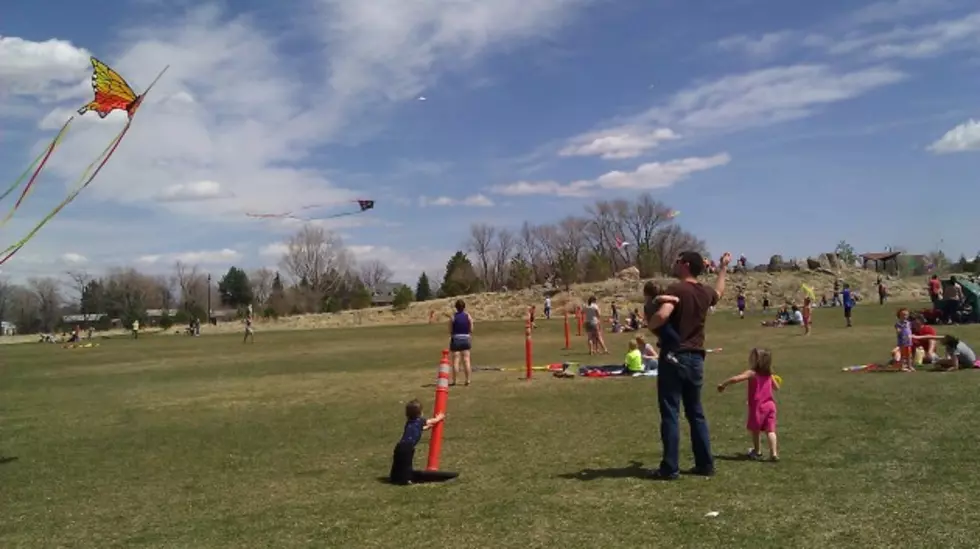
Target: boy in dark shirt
{"type": "Point", "coordinates": [401, 463]}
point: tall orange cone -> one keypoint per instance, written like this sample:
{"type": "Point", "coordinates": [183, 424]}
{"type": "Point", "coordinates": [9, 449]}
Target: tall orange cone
{"type": "Point", "coordinates": [442, 399]}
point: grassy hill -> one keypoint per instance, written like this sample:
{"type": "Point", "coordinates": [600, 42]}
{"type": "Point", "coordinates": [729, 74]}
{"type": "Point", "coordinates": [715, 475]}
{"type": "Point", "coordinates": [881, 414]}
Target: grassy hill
{"type": "Point", "coordinates": [512, 305]}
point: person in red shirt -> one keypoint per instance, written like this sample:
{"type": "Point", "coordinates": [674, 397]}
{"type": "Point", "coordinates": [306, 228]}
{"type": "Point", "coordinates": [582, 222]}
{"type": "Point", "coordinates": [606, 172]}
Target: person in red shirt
{"type": "Point", "coordinates": [935, 289]}
{"type": "Point", "coordinates": [919, 330]}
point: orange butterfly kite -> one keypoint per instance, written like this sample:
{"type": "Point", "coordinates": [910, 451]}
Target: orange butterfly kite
{"type": "Point", "coordinates": [112, 93]}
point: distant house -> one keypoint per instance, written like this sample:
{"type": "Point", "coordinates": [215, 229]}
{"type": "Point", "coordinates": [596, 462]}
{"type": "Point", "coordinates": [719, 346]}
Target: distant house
{"type": "Point", "coordinates": [83, 319]}
{"type": "Point", "coordinates": [384, 295]}
{"type": "Point", "coordinates": [156, 314]}
{"type": "Point", "coordinates": [8, 328]}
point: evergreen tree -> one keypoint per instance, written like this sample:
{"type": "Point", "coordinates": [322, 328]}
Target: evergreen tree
{"type": "Point", "coordinates": [423, 289]}
{"type": "Point", "coordinates": [235, 289]}
{"type": "Point", "coordinates": [461, 278]}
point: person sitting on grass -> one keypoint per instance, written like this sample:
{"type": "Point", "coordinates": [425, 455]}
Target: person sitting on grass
{"type": "Point", "coordinates": [634, 359]}
{"type": "Point", "coordinates": [920, 340]}
{"type": "Point", "coordinates": [401, 463]}
{"type": "Point", "coordinates": [782, 318]}
{"type": "Point", "coordinates": [959, 355]}
{"type": "Point", "coordinates": [649, 354]}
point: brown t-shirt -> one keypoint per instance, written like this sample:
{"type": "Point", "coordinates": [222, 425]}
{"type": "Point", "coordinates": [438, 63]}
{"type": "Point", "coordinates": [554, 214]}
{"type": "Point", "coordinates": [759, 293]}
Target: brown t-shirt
{"type": "Point", "coordinates": [690, 313]}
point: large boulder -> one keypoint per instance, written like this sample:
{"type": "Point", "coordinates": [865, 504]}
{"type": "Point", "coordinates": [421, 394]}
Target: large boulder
{"type": "Point", "coordinates": [833, 262]}
{"type": "Point", "coordinates": [775, 264]}
{"type": "Point", "coordinates": [629, 274]}
{"type": "Point", "coordinates": [813, 264]}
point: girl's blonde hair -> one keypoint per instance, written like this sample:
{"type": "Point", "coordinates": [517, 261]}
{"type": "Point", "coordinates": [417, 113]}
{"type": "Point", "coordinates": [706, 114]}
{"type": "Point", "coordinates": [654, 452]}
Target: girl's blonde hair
{"type": "Point", "coordinates": [632, 345]}
{"type": "Point", "coordinates": [761, 360]}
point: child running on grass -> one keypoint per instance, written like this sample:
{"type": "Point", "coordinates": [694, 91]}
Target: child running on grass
{"type": "Point", "coordinates": [740, 302]}
{"type": "Point", "coordinates": [848, 301]}
{"type": "Point", "coordinates": [249, 331]}
{"type": "Point", "coordinates": [807, 311]}
{"type": "Point", "coordinates": [762, 405]}
{"type": "Point", "coordinates": [401, 463]}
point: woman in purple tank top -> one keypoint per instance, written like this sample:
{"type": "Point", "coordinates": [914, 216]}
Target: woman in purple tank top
{"type": "Point", "coordinates": [461, 341]}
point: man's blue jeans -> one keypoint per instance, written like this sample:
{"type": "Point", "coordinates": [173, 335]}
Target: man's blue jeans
{"type": "Point", "coordinates": [680, 381]}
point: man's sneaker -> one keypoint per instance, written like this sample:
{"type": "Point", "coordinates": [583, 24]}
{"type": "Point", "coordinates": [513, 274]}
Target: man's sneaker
{"type": "Point", "coordinates": [697, 471]}
{"type": "Point", "coordinates": [657, 474]}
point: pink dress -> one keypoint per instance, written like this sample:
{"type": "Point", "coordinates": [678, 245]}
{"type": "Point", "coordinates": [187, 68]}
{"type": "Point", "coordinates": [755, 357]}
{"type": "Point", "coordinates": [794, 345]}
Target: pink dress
{"type": "Point", "coordinates": [762, 407]}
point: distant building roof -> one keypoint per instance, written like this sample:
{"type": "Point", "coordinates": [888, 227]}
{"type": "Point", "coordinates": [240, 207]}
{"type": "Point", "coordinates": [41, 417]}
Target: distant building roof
{"type": "Point", "coordinates": [91, 317]}
{"type": "Point", "coordinates": [880, 256]}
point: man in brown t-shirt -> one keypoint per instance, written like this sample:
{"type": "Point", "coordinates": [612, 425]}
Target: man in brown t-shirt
{"type": "Point", "coordinates": [682, 363]}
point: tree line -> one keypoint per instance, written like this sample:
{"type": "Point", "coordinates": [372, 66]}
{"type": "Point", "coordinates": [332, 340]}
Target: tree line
{"type": "Point", "coordinates": [317, 272]}
{"type": "Point", "coordinates": [611, 235]}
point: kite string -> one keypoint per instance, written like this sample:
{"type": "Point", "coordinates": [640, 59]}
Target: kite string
{"type": "Point", "coordinates": [84, 182]}
{"type": "Point", "coordinates": [43, 159]}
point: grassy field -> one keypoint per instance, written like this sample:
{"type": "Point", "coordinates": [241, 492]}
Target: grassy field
{"type": "Point", "coordinates": [184, 442]}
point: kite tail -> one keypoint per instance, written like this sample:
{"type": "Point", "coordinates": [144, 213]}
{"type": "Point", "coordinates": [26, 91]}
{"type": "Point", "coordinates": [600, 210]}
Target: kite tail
{"type": "Point", "coordinates": [34, 170]}
{"type": "Point", "coordinates": [83, 182]}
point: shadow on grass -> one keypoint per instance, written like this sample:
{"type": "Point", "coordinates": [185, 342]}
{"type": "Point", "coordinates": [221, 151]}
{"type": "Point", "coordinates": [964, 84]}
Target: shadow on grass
{"type": "Point", "coordinates": [8, 459]}
{"type": "Point", "coordinates": [633, 470]}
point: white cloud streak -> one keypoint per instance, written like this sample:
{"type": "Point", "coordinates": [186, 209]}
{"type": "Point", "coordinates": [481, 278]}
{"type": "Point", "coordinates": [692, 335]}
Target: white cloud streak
{"type": "Point", "coordinates": [962, 138]}
{"type": "Point", "coordinates": [647, 177]}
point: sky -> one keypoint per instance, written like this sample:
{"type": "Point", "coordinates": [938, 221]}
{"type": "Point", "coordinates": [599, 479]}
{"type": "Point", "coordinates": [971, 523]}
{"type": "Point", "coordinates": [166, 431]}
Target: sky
{"type": "Point", "coordinates": [773, 126]}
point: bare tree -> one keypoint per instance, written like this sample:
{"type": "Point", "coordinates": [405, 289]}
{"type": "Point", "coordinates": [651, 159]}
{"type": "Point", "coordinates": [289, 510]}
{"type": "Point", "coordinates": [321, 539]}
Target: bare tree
{"type": "Point", "coordinates": [48, 300]}
{"type": "Point", "coordinates": [480, 244]}
{"type": "Point", "coordinates": [318, 258]}
{"type": "Point", "coordinates": [79, 281]}
{"type": "Point", "coordinates": [262, 284]}
{"type": "Point", "coordinates": [503, 252]}
{"type": "Point", "coordinates": [670, 242]}
{"type": "Point", "coordinates": [164, 286]}
{"type": "Point", "coordinates": [192, 285]}
{"type": "Point", "coordinates": [6, 291]}
{"type": "Point", "coordinates": [530, 249]}
{"type": "Point", "coordinates": [374, 274]}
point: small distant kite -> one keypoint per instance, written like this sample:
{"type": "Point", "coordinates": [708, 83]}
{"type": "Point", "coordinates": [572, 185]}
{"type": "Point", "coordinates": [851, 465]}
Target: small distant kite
{"type": "Point", "coordinates": [620, 243]}
{"type": "Point", "coordinates": [111, 93]}
{"type": "Point", "coordinates": [672, 214]}
{"type": "Point", "coordinates": [421, 98]}
{"type": "Point", "coordinates": [362, 206]}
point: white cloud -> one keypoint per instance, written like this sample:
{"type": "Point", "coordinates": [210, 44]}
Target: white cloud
{"type": "Point", "coordinates": [40, 68]}
{"type": "Point", "coordinates": [758, 98]}
{"type": "Point", "coordinates": [275, 250]}
{"type": "Point", "coordinates": [763, 46]}
{"type": "Point", "coordinates": [909, 42]}
{"type": "Point", "coordinates": [962, 138]}
{"type": "Point", "coordinates": [650, 176]}
{"type": "Point", "coordinates": [225, 256]}
{"type": "Point", "coordinates": [619, 143]}
{"type": "Point", "coordinates": [198, 190]}
{"type": "Point", "coordinates": [476, 200]}
{"type": "Point", "coordinates": [406, 265]}
{"type": "Point", "coordinates": [387, 50]}
{"type": "Point", "coordinates": [768, 96]}
{"type": "Point", "coordinates": [893, 10]}
{"type": "Point", "coordinates": [576, 189]}
{"type": "Point", "coordinates": [73, 258]}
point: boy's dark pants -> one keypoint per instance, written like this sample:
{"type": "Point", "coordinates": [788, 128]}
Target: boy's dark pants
{"type": "Point", "coordinates": [401, 463]}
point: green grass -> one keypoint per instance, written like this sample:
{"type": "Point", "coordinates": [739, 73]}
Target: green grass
{"type": "Point", "coordinates": [205, 443]}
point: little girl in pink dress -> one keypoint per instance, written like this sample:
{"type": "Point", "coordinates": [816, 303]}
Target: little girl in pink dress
{"type": "Point", "coordinates": [762, 406]}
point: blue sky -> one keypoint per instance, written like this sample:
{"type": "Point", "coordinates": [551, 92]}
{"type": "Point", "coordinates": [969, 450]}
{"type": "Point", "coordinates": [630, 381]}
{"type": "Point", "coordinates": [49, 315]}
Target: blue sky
{"type": "Point", "coordinates": [773, 126]}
